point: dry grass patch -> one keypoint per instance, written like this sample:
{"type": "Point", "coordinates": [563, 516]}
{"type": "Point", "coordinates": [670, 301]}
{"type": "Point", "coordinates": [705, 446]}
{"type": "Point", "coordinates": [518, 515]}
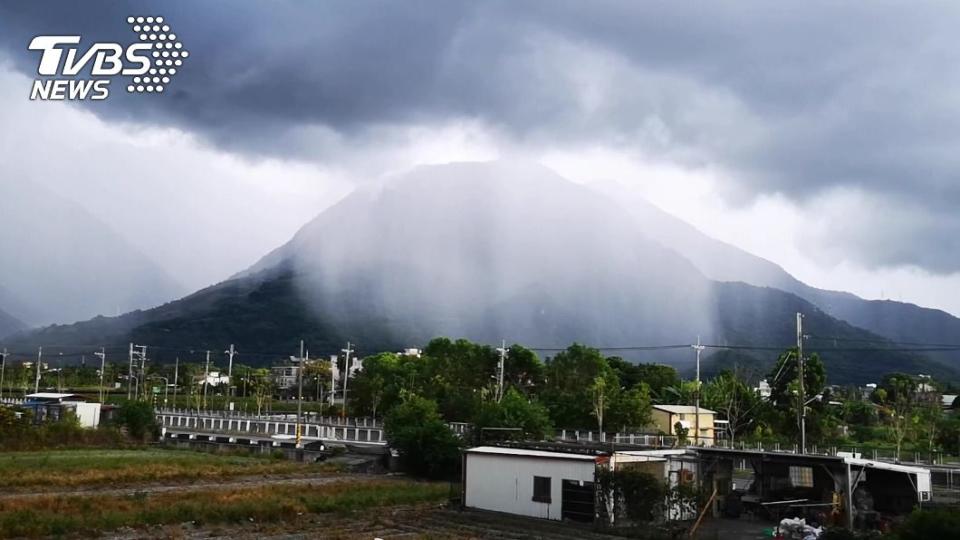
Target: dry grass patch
{"type": "Point", "coordinates": [77, 468]}
{"type": "Point", "coordinates": [88, 515]}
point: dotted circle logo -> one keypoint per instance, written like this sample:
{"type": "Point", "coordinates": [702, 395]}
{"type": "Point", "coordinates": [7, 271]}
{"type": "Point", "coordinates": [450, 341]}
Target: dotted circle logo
{"type": "Point", "coordinates": [167, 55]}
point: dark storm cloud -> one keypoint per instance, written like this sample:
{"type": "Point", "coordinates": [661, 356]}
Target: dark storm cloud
{"type": "Point", "coordinates": [789, 98]}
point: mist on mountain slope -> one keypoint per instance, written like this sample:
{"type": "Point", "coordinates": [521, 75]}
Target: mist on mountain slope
{"type": "Point", "coordinates": [9, 324]}
{"type": "Point", "coordinates": [62, 264]}
{"type": "Point", "coordinates": [720, 261]}
{"type": "Point", "coordinates": [496, 251]}
{"type": "Point", "coordinates": [487, 251]}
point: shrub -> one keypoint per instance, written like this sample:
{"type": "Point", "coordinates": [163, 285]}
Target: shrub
{"type": "Point", "coordinates": [929, 524]}
{"type": "Point", "coordinates": [631, 493]}
{"type": "Point", "coordinates": [138, 417]}
{"type": "Point", "coordinates": [426, 444]}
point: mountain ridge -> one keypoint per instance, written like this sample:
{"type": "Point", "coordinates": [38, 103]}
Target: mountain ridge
{"type": "Point", "coordinates": [10, 325]}
{"type": "Point", "coordinates": [62, 263]}
{"type": "Point", "coordinates": [721, 261]}
{"type": "Point", "coordinates": [477, 251]}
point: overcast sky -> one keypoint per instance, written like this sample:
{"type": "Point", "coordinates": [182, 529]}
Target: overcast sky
{"type": "Point", "coordinates": [822, 136]}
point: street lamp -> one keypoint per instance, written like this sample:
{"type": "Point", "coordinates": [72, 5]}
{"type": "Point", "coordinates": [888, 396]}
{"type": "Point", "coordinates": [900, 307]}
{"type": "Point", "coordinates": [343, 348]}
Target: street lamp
{"type": "Point", "coordinates": [166, 387]}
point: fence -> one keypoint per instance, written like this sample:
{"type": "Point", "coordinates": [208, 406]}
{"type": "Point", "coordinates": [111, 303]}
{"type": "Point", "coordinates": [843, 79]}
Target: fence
{"type": "Point", "coordinates": [357, 430]}
{"type": "Point", "coordinates": [311, 417]}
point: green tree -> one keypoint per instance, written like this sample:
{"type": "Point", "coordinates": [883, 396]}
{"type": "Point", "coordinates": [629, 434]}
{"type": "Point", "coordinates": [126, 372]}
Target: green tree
{"type": "Point", "coordinates": [316, 375]}
{"type": "Point", "coordinates": [600, 398]}
{"type": "Point", "coordinates": [734, 401]}
{"type": "Point", "coordinates": [900, 400]}
{"type": "Point", "coordinates": [378, 386]}
{"type": "Point", "coordinates": [524, 370]}
{"type": "Point", "coordinates": [426, 444]}
{"type": "Point", "coordinates": [684, 393]}
{"type": "Point", "coordinates": [631, 408]}
{"type": "Point", "coordinates": [457, 375]}
{"type": "Point", "coordinates": [515, 410]}
{"type": "Point", "coordinates": [628, 373]}
{"type": "Point", "coordinates": [928, 419]}
{"type": "Point", "coordinates": [261, 385]}
{"type": "Point", "coordinates": [571, 386]}
{"type": "Point", "coordinates": [138, 417]}
{"type": "Point", "coordinates": [785, 388]}
{"type": "Point", "coordinates": [658, 377]}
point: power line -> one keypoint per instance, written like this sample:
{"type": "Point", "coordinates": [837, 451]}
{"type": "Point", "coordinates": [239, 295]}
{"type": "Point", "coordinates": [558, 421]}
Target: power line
{"type": "Point", "coordinates": [883, 341]}
{"type": "Point", "coordinates": [882, 345]}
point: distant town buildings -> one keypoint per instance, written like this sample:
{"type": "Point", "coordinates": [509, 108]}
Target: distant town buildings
{"type": "Point", "coordinates": [215, 378]}
{"type": "Point", "coordinates": [284, 377]}
{"type": "Point", "coordinates": [763, 389]}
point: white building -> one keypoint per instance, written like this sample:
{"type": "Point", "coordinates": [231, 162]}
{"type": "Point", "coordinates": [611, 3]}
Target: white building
{"type": "Point", "coordinates": [215, 378]}
{"type": "Point", "coordinates": [535, 483]}
{"type": "Point", "coordinates": [51, 406]}
{"type": "Point", "coordinates": [284, 377]}
{"type": "Point", "coordinates": [763, 389]}
{"type": "Point", "coordinates": [560, 485]}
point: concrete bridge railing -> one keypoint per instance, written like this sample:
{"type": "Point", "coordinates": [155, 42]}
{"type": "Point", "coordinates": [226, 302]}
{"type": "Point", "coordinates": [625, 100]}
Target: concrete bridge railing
{"type": "Point", "coordinates": [350, 430]}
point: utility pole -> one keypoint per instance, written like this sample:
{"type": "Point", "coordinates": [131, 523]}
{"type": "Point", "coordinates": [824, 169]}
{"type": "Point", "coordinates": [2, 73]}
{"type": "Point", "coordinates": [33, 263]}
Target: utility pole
{"type": "Point", "coordinates": [346, 377]}
{"type": "Point", "coordinates": [231, 351]}
{"type": "Point", "coordinates": [803, 395]}
{"type": "Point", "coordinates": [143, 369]}
{"type": "Point", "coordinates": [696, 425]}
{"type": "Point", "coordinates": [103, 361]}
{"type": "Point", "coordinates": [130, 375]}
{"type": "Point", "coordinates": [300, 392]}
{"type": "Point", "coordinates": [333, 377]}
{"type": "Point", "coordinates": [206, 379]}
{"type": "Point", "coordinates": [176, 377]}
{"type": "Point", "coordinates": [36, 384]}
{"type": "Point", "coordinates": [319, 389]}
{"type": "Point", "coordinates": [3, 367]}
{"type": "Point", "coordinates": [501, 367]}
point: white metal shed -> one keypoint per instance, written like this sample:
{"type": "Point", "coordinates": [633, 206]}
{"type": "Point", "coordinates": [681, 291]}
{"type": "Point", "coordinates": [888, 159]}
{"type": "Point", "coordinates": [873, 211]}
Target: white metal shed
{"type": "Point", "coordinates": [535, 483]}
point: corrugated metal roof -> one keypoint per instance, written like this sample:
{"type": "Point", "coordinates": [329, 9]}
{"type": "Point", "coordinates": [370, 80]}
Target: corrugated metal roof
{"type": "Point", "coordinates": [654, 453]}
{"type": "Point", "coordinates": [528, 453]}
{"type": "Point", "coordinates": [682, 409]}
{"type": "Point", "coordinates": [886, 466]}
{"type": "Point", "coordinates": [50, 395]}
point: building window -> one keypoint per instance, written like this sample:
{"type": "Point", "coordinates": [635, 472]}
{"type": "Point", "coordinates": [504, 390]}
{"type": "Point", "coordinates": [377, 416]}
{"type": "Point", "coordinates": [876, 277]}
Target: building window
{"type": "Point", "coordinates": [801, 476]}
{"type": "Point", "coordinates": [541, 489]}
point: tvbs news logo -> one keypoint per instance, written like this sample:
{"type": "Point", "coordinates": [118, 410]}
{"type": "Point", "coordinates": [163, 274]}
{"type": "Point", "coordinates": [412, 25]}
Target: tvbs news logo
{"type": "Point", "coordinates": [150, 63]}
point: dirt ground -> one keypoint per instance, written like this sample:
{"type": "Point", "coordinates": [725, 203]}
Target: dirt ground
{"type": "Point", "coordinates": [416, 522]}
{"type": "Point", "coordinates": [165, 487]}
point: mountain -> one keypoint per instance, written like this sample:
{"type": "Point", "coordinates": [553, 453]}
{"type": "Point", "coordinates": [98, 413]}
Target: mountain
{"type": "Point", "coordinates": [62, 264]}
{"type": "Point", "coordinates": [487, 251]}
{"type": "Point", "coordinates": [720, 261]}
{"type": "Point", "coordinates": [9, 324]}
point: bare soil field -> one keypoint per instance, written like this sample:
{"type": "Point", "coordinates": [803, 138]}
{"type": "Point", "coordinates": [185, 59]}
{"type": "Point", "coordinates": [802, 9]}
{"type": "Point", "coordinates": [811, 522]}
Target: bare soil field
{"type": "Point", "coordinates": [427, 521]}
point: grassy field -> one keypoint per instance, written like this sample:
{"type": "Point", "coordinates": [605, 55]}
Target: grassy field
{"type": "Point", "coordinates": [59, 469]}
{"type": "Point", "coordinates": [84, 516]}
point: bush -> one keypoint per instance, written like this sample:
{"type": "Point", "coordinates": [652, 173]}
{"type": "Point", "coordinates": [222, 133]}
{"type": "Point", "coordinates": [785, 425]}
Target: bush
{"type": "Point", "coordinates": [636, 495]}
{"type": "Point", "coordinates": [930, 524]}
{"type": "Point", "coordinates": [426, 444]}
{"type": "Point", "coordinates": [21, 434]}
{"type": "Point", "coordinates": [138, 417]}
